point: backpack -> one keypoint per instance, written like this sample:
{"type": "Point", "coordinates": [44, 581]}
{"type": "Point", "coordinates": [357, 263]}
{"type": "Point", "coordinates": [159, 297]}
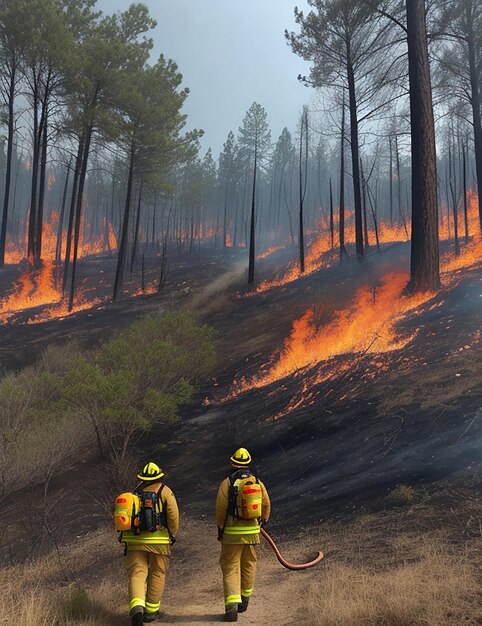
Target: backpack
{"type": "Point", "coordinates": [139, 511]}
{"type": "Point", "coordinates": [245, 498]}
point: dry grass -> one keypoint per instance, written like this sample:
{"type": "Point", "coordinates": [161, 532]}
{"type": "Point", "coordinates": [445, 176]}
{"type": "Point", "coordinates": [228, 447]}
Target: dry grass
{"type": "Point", "coordinates": [416, 580]}
{"type": "Point", "coordinates": [402, 494]}
{"type": "Point", "coordinates": [375, 573]}
{"type": "Point", "coordinates": [72, 586]}
{"type": "Point", "coordinates": [458, 376]}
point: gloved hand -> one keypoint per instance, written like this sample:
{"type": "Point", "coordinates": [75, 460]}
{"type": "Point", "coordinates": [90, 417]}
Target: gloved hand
{"type": "Point", "coordinates": [220, 534]}
{"type": "Point", "coordinates": [262, 522]}
{"type": "Point", "coordinates": [173, 539]}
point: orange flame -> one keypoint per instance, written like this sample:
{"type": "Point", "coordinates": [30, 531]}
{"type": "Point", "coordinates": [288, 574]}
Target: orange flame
{"type": "Point", "coordinates": [35, 288]}
{"type": "Point", "coordinates": [271, 251]}
{"type": "Point", "coordinates": [470, 252]}
{"type": "Point", "coordinates": [367, 326]}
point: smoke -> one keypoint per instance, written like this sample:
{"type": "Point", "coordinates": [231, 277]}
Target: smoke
{"type": "Point", "coordinates": [228, 281]}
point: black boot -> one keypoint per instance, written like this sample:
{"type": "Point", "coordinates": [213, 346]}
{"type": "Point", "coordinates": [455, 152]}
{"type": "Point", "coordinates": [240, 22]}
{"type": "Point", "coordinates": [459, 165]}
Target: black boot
{"type": "Point", "coordinates": [150, 617]}
{"type": "Point", "coordinates": [244, 604]}
{"type": "Point", "coordinates": [231, 614]}
{"type": "Point", "coordinates": [137, 619]}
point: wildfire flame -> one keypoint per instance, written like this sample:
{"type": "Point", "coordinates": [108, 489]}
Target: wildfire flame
{"type": "Point", "coordinates": [321, 253]}
{"type": "Point", "coordinates": [470, 252]}
{"type": "Point", "coordinates": [35, 288]}
{"type": "Point", "coordinates": [39, 286]}
{"type": "Point", "coordinates": [368, 325]}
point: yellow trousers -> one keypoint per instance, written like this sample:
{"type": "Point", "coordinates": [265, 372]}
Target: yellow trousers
{"type": "Point", "coordinates": [238, 564]}
{"type": "Point", "coordinates": [147, 576]}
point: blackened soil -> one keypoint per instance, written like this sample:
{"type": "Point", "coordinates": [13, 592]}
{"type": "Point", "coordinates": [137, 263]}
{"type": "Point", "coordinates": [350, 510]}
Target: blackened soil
{"type": "Point", "coordinates": [410, 417]}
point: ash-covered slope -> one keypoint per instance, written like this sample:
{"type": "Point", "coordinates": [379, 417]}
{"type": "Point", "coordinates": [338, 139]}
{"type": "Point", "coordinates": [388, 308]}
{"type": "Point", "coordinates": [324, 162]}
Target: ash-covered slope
{"type": "Point", "coordinates": [342, 432]}
{"type": "Point", "coordinates": [398, 401]}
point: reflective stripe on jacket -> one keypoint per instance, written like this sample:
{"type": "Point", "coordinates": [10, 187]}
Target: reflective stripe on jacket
{"type": "Point", "coordinates": [239, 530]}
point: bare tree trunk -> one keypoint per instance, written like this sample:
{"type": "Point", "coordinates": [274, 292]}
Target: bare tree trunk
{"type": "Point", "coordinates": [125, 226]}
{"type": "Point", "coordinates": [464, 178]}
{"type": "Point", "coordinates": [373, 207]}
{"type": "Point", "coordinates": [58, 247]}
{"type": "Point", "coordinates": [355, 160]}
{"type": "Point", "coordinates": [302, 185]}
{"type": "Point", "coordinates": [8, 169]}
{"type": "Point", "coordinates": [32, 221]}
{"type": "Point", "coordinates": [73, 199]}
{"type": "Point", "coordinates": [455, 200]}
{"type": "Point", "coordinates": [41, 194]}
{"type": "Point", "coordinates": [341, 223]}
{"type": "Point", "coordinates": [424, 263]}
{"type": "Point", "coordinates": [475, 100]}
{"type": "Point", "coordinates": [78, 212]}
{"type": "Point", "coordinates": [136, 229]}
{"type": "Point", "coordinates": [364, 205]}
{"type": "Point", "coordinates": [252, 235]}
{"type": "Point", "coordinates": [332, 224]}
{"type": "Point", "coordinates": [391, 177]}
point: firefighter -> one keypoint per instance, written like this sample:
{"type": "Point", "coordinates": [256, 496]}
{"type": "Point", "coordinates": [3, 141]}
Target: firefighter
{"type": "Point", "coordinates": [148, 553]}
{"type": "Point", "coordinates": [238, 536]}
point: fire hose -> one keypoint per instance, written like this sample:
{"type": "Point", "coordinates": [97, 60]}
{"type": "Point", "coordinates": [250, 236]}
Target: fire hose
{"type": "Point", "coordinates": [283, 561]}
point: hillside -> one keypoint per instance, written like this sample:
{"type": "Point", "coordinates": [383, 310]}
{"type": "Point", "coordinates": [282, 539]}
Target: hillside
{"type": "Point", "coordinates": [371, 453]}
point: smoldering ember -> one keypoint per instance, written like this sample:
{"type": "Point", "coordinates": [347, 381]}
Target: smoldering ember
{"type": "Point", "coordinates": [240, 312]}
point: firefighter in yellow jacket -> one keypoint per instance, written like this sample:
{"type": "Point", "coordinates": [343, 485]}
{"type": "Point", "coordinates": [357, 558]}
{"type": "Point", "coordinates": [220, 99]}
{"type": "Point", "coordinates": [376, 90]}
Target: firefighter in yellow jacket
{"type": "Point", "coordinates": [148, 552]}
{"type": "Point", "coordinates": [238, 537]}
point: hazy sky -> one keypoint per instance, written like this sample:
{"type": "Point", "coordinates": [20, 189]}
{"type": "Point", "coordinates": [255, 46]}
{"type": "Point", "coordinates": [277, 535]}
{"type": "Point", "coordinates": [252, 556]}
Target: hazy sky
{"type": "Point", "coordinates": [230, 53]}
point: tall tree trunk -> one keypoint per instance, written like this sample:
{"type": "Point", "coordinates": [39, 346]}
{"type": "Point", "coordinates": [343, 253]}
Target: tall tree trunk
{"type": "Point", "coordinates": [41, 193]}
{"type": "Point", "coordinates": [475, 101]}
{"type": "Point", "coordinates": [364, 204]}
{"type": "Point", "coordinates": [341, 222]}
{"type": "Point", "coordinates": [391, 177]}
{"type": "Point", "coordinates": [455, 200]}
{"type": "Point", "coordinates": [58, 247]}
{"type": "Point", "coordinates": [424, 262]}
{"type": "Point", "coordinates": [136, 229]}
{"type": "Point", "coordinates": [73, 199]}
{"type": "Point", "coordinates": [332, 223]}
{"type": "Point", "coordinates": [464, 182]}
{"type": "Point", "coordinates": [355, 161]}
{"type": "Point", "coordinates": [302, 188]}
{"type": "Point", "coordinates": [399, 187]}
{"type": "Point", "coordinates": [32, 221]}
{"type": "Point", "coordinates": [78, 211]}
{"type": "Point", "coordinates": [373, 207]}
{"type": "Point", "coordinates": [253, 221]}
{"type": "Point", "coordinates": [225, 217]}
{"type": "Point", "coordinates": [125, 225]}
{"type": "Point", "coordinates": [8, 169]}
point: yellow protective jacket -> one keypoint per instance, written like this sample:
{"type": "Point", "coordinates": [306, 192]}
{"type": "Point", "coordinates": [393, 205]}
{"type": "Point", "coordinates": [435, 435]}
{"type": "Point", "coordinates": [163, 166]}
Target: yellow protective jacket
{"type": "Point", "coordinates": [239, 530]}
{"type": "Point", "coordinates": [158, 541]}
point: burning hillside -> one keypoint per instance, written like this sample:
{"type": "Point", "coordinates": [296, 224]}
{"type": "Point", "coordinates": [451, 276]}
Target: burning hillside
{"type": "Point", "coordinates": [367, 325]}
{"type": "Point", "coordinates": [371, 331]}
{"type": "Point", "coordinates": [323, 251]}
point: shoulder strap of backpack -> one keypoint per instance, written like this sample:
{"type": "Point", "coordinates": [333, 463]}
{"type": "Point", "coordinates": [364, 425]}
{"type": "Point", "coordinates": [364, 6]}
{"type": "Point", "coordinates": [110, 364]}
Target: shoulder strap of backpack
{"type": "Point", "coordinates": [163, 512]}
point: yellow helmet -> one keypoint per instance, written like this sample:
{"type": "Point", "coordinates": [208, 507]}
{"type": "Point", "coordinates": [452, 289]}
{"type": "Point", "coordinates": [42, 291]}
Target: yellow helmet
{"type": "Point", "coordinates": [241, 457]}
{"type": "Point", "coordinates": [150, 472]}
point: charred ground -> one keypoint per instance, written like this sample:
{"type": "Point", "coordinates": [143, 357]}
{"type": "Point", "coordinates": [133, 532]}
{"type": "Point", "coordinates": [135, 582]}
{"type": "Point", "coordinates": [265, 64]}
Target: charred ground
{"type": "Point", "coordinates": [408, 418]}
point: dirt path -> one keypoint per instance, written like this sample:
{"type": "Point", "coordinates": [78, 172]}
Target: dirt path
{"type": "Point", "coordinates": [193, 593]}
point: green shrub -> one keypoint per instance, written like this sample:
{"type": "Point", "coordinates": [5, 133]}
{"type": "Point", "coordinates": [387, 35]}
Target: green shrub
{"type": "Point", "coordinates": [131, 382]}
{"type": "Point", "coordinates": [139, 378]}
